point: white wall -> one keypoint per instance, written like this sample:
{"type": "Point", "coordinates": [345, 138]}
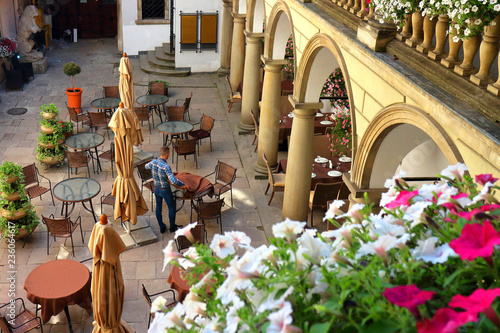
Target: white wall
{"type": "Point", "coordinates": [206, 61]}
{"type": "Point", "coordinates": [8, 18]}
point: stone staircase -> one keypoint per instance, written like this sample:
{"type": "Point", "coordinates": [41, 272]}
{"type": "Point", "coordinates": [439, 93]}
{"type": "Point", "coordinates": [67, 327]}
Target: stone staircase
{"type": "Point", "coordinates": [161, 62]}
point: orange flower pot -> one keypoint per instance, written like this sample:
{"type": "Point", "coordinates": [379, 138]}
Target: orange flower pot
{"type": "Point", "coordinates": [75, 98]}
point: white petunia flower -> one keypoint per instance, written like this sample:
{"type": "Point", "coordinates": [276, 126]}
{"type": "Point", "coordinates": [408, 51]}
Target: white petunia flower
{"type": "Point", "coordinates": [170, 254]}
{"type": "Point", "coordinates": [288, 229]}
{"type": "Point", "coordinates": [222, 246]}
{"type": "Point", "coordinates": [379, 247]}
{"type": "Point", "coordinates": [158, 304]}
{"type": "Point", "coordinates": [281, 320]}
{"type": "Point", "coordinates": [312, 246]}
{"type": "Point", "coordinates": [428, 252]}
{"type": "Point", "coordinates": [239, 237]}
{"type": "Point", "coordinates": [455, 171]}
{"type": "Point", "coordinates": [334, 210]}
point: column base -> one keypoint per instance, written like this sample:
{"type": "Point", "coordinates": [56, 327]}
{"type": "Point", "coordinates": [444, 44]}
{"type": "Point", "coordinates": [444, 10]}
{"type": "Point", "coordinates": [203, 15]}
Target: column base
{"type": "Point", "coordinates": [223, 71]}
{"type": "Point", "coordinates": [260, 170]}
{"type": "Point", "coordinates": [246, 127]}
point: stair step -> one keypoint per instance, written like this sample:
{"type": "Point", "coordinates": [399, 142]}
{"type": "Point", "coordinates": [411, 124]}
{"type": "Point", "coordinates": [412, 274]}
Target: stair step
{"type": "Point", "coordinates": [166, 48]}
{"type": "Point", "coordinates": [155, 62]}
{"type": "Point", "coordinates": [148, 68]}
{"type": "Point", "coordinates": [165, 57]}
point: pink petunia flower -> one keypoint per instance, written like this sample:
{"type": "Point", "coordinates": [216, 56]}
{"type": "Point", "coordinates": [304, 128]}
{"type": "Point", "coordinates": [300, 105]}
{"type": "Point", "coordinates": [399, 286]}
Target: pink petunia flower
{"type": "Point", "coordinates": [476, 240]}
{"type": "Point", "coordinates": [479, 301]}
{"type": "Point", "coordinates": [403, 199]}
{"type": "Point", "coordinates": [409, 297]}
{"type": "Point", "coordinates": [445, 320]}
{"type": "Point", "coordinates": [485, 178]}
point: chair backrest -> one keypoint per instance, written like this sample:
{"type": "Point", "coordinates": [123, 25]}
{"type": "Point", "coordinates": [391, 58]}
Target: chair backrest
{"type": "Point", "coordinates": [344, 192]}
{"type": "Point", "coordinates": [207, 123]}
{"type": "Point", "coordinates": [175, 113]}
{"type": "Point", "coordinates": [77, 157]}
{"type": "Point", "coordinates": [198, 233]}
{"type": "Point", "coordinates": [321, 146]}
{"type": "Point", "coordinates": [225, 173]}
{"type": "Point", "coordinates": [231, 91]}
{"type": "Point", "coordinates": [59, 226]}
{"type": "Point", "coordinates": [210, 209]}
{"type": "Point", "coordinates": [73, 115]}
{"type": "Point", "coordinates": [97, 118]}
{"type": "Point", "coordinates": [144, 173]}
{"type": "Point", "coordinates": [30, 174]}
{"type": "Point", "coordinates": [111, 91]}
{"type": "Point", "coordinates": [146, 296]}
{"type": "Point", "coordinates": [4, 324]}
{"type": "Point", "coordinates": [187, 102]}
{"type": "Point", "coordinates": [142, 113]}
{"type": "Point", "coordinates": [186, 147]}
{"type": "Point", "coordinates": [157, 88]}
{"type": "Point", "coordinates": [324, 192]}
{"type": "Point", "coordinates": [256, 124]}
{"type": "Point", "coordinates": [269, 172]}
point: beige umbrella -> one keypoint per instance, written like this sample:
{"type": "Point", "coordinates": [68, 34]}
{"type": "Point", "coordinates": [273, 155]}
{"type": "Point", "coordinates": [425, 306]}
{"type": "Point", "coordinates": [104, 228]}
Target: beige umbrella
{"type": "Point", "coordinates": [129, 200]}
{"type": "Point", "coordinates": [107, 280]}
{"type": "Point", "coordinates": [126, 87]}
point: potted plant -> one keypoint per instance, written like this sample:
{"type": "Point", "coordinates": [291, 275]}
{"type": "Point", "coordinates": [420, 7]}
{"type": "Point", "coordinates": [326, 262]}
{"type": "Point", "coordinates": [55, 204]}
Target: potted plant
{"type": "Point", "coordinates": [49, 111]}
{"type": "Point", "coordinates": [50, 141]}
{"type": "Point", "coordinates": [22, 227]}
{"type": "Point", "coordinates": [10, 172]}
{"type": "Point", "coordinates": [50, 126]}
{"type": "Point", "coordinates": [14, 210]}
{"type": "Point", "coordinates": [74, 94]}
{"type": "Point", "coordinates": [50, 156]}
{"type": "Point", "coordinates": [67, 128]}
{"type": "Point", "coordinates": [160, 81]}
{"type": "Point", "coordinates": [10, 191]}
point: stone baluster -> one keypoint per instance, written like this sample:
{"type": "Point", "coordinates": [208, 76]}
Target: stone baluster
{"type": "Point", "coordinates": [487, 53]}
{"type": "Point", "coordinates": [471, 46]}
{"type": "Point", "coordinates": [417, 22]}
{"type": "Point", "coordinates": [371, 13]}
{"type": "Point", "coordinates": [429, 30]}
{"type": "Point", "coordinates": [495, 87]}
{"type": "Point", "coordinates": [363, 11]}
{"type": "Point", "coordinates": [357, 6]}
{"type": "Point", "coordinates": [405, 32]}
{"type": "Point", "coordinates": [452, 59]}
{"type": "Point", "coordinates": [349, 4]}
{"type": "Point", "coordinates": [441, 35]}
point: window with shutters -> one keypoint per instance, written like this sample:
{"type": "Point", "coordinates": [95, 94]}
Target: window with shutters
{"type": "Point", "coordinates": [199, 31]}
{"type": "Point", "coordinates": [152, 12]}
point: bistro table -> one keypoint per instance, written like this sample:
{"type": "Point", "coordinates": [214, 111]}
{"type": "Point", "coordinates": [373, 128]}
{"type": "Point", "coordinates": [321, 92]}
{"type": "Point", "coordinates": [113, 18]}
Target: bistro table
{"type": "Point", "coordinates": [197, 188]}
{"type": "Point", "coordinates": [105, 103]}
{"type": "Point", "coordinates": [175, 129]}
{"type": "Point", "coordinates": [153, 101]}
{"type": "Point", "coordinates": [56, 284]}
{"type": "Point", "coordinates": [286, 121]}
{"type": "Point", "coordinates": [86, 141]}
{"type": "Point", "coordinates": [78, 189]}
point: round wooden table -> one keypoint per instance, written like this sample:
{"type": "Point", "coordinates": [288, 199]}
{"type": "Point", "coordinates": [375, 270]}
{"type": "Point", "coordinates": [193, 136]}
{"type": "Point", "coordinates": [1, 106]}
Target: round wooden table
{"type": "Point", "coordinates": [59, 283]}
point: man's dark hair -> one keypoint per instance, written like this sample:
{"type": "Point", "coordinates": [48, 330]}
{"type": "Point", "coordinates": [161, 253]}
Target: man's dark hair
{"type": "Point", "coordinates": [164, 151]}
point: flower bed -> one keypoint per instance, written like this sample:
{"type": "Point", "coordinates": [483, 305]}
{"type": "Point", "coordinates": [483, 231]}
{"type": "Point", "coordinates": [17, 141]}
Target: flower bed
{"type": "Point", "coordinates": [341, 134]}
{"type": "Point", "coordinates": [428, 262]}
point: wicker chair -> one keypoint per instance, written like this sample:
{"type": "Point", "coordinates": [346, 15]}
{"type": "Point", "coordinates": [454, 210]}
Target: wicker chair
{"type": "Point", "coordinates": [157, 88]}
{"type": "Point", "coordinates": [211, 210]}
{"type": "Point", "coordinates": [234, 96]}
{"type": "Point", "coordinates": [111, 91]}
{"type": "Point", "coordinates": [175, 113]}
{"type": "Point", "coordinates": [323, 192]}
{"type": "Point", "coordinates": [199, 234]}
{"type": "Point", "coordinates": [63, 228]}
{"type": "Point", "coordinates": [146, 178]}
{"type": "Point", "coordinates": [205, 131]}
{"type": "Point", "coordinates": [25, 320]}
{"type": "Point", "coordinates": [144, 114]}
{"type": "Point", "coordinates": [78, 117]}
{"type": "Point", "coordinates": [256, 136]}
{"type": "Point", "coordinates": [77, 159]}
{"type": "Point", "coordinates": [185, 148]}
{"type": "Point", "coordinates": [275, 181]}
{"type": "Point", "coordinates": [99, 120]}
{"type": "Point", "coordinates": [32, 183]}
{"type": "Point", "coordinates": [109, 155]}
{"type": "Point", "coordinates": [187, 102]}
{"type": "Point", "coordinates": [225, 175]}
{"type": "Point", "coordinates": [108, 199]}
{"type": "Point", "coordinates": [148, 296]}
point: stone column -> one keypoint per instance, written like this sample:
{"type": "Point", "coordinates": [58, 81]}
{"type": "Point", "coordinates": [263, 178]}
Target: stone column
{"type": "Point", "coordinates": [226, 37]}
{"type": "Point", "coordinates": [300, 159]}
{"type": "Point", "coordinates": [238, 50]}
{"type": "Point", "coordinates": [269, 115]}
{"type": "Point", "coordinates": [251, 80]}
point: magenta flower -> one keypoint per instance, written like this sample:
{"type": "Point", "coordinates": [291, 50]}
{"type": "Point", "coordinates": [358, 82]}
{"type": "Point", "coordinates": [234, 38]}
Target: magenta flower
{"type": "Point", "coordinates": [476, 240]}
{"type": "Point", "coordinates": [403, 199]}
{"type": "Point", "coordinates": [445, 321]}
{"type": "Point", "coordinates": [477, 301]}
{"type": "Point", "coordinates": [409, 297]}
{"type": "Point", "coordinates": [485, 178]}
{"type": "Point", "coordinates": [469, 215]}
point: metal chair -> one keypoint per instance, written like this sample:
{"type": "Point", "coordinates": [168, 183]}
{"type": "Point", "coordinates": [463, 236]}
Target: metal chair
{"type": "Point", "coordinates": [175, 113]}
{"type": "Point", "coordinates": [157, 88]}
{"type": "Point", "coordinates": [14, 78]}
{"type": "Point", "coordinates": [146, 178]}
{"type": "Point", "coordinates": [81, 117]}
{"type": "Point", "coordinates": [211, 210]}
{"type": "Point", "coordinates": [111, 91]}
{"type": "Point", "coordinates": [199, 233]}
{"type": "Point", "coordinates": [77, 159]}
{"type": "Point", "coordinates": [323, 192]}
{"type": "Point", "coordinates": [108, 199]}
{"type": "Point", "coordinates": [187, 102]}
{"type": "Point", "coordinates": [234, 96]}
{"type": "Point", "coordinates": [109, 155]}
{"type": "Point", "coordinates": [63, 228]}
{"type": "Point", "coordinates": [185, 148]}
{"type": "Point", "coordinates": [144, 114]}
{"type": "Point", "coordinates": [32, 183]}
{"type": "Point", "coordinates": [25, 320]}
{"type": "Point", "coordinates": [148, 296]}
{"type": "Point", "coordinates": [99, 120]}
{"type": "Point", "coordinates": [205, 131]}
{"type": "Point", "coordinates": [275, 181]}
{"type": "Point", "coordinates": [225, 175]}
{"type": "Point", "coordinates": [256, 136]}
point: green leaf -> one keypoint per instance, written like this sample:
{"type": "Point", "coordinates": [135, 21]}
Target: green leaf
{"type": "Point", "coordinates": [320, 328]}
{"type": "Point", "coordinates": [386, 326]}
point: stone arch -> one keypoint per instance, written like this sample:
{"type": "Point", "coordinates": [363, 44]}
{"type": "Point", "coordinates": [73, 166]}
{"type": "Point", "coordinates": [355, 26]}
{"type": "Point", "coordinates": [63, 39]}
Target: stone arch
{"type": "Point", "coordinates": [278, 30]}
{"type": "Point", "coordinates": [394, 133]}
{"type": "Point", "coordinates": [255, 15]}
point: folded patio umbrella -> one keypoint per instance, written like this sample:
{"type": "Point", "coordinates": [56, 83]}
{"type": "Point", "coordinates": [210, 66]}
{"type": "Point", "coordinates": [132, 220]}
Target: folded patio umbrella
{"type": "Point", "coordinates": [129, 200]}
{"type": "Point", "coordinates": [126, 87]}
{"type": "Point", "coordinates": [107, 280]}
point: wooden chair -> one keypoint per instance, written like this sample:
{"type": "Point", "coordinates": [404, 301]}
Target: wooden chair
{"type": "Point", "coordinates": [234, 96]}
{"type": "Point", "coordinates": [184, 148]}
{"type": "Point", "coordinates": [80, 117]}
{"type": "Point", "coordinates": [225, 175]}
{"type": "Point", "coordinates": [187, 102]}
{"type": "Point", "coordinates": [211, 210]}
{"type": "Point", "coordinates": [275, 181]}
{"type": "Point", "coordinates": [63, 228]}
{"type": "Point", "coordinates": [25, 320]}
{"type": "Point", "coordinates": [256, 136]}
{"type": "Point", "coordinates": [32, 183]}
{"type": "Point", "coordinates": [146, 178]}
{"type": "Point", "coordinates": [199, 234]}
{"type": "Point", "coordinates": [99, 120]}
{"type": "Point", "coordinates": [144, 114]}
{"type": "Point", "coordinates": [111, 91]}
{"type": "Point", "coordinates": [323, 192]}
{"type": "Point", "coordinates": [109, 155]}
{"type": "Point", "coordinates": [344, 192]}
{"type": "Point", "coordinates": [205, 131]}
{"type": "Point", "coordinates": [77, 159]}
{"type": "Point", "coordinates": [175, 113]}
{"type": "Point", "coordinates": [147, 297]}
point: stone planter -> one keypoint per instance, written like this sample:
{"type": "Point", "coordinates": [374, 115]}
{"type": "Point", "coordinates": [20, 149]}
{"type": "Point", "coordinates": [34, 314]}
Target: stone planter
{"type": "Point", "coordinates": [49, 116]}
{"type": "Point", "coordinates": [19, 214]}
{"type": "Point", "coordinates": [47, 130]}
{"type": "Point", "coordinates": [50, 160]}
{"type": "Point", "coordinates": [11, 197]}
{"type": "Point", "coordinates": [12, 179]}
{"type": "Point", "coordinates": [51, 145]}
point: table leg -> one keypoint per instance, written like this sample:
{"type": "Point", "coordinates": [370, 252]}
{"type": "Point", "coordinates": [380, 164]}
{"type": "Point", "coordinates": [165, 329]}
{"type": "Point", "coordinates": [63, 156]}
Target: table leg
{"type": "Point", "coordinates": [99, 167]}
{"type": "Point", "coordinates": [69, 319]}
{"type": "Point", "coordinates": [91, 210]}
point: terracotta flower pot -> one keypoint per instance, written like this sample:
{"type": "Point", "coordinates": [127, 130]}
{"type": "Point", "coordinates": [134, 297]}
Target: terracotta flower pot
{"type": "Point", "coordinates": [12, 179]}
{"type": "Point", "coordinates": [49, 116]}
{"type": "Point", "coordinates": [11, 197]}
{"type": "Point", "coordinates": [18, 214]}
{"type": "Point", "coordinates": [75, 98]}
{"type": "Point", "coordinates": [47, 130]}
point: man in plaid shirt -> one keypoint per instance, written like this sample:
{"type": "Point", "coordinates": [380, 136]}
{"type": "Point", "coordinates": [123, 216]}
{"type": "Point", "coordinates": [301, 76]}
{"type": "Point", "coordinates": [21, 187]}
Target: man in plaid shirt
{"type": "Point", "coordinates": [163, 177]}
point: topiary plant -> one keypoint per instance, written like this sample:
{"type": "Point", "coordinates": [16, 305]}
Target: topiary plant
{"type": "Point", "coordinates": [72, 69]}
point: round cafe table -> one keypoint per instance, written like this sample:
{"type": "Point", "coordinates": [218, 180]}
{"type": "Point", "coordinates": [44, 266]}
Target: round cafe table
{"type": "Point", "coordinates": [86, 141]}
{"type": "Point", "coordinates": [78, 189]}
{"type": "Point", "coordinates": [105, 103]}
{"type": "Point", "coordinates": [175, 129]}
{"type": "Point", "coordinates": [56, 284]}
{"type": "Point", "coordinates": [153, 101]}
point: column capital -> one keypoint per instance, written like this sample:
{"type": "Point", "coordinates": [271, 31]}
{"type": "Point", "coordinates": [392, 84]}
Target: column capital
{"type": "Point", "coordinates": [253, 36]}
{"type": "Point", "coordinates": [304, 106]}
{"type": "Point", "coordinates": [227, 3]}
{"type": "Point", "coordinates": [273, 62]}
{"type": "Point", "coordinates": [239, 17]}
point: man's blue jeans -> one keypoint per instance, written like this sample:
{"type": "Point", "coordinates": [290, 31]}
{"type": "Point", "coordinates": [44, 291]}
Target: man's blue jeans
{"type": "Point", "coordinates": [166, 194]}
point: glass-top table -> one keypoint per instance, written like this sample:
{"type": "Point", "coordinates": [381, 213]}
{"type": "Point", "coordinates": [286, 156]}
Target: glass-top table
{"type": "Point", "coordinates": [153, 101]}
{"type": "Point", "coordinates": [86, 141]}
{"type": "Point", "coordinates": [78, 189]}
{"type": "Point", "coordinates": [173, 128]}
{"type": "Point", "coordinates": [105, 103]}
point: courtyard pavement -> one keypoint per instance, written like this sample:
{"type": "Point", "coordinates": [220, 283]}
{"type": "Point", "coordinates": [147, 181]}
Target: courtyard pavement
{"type": "Point", "coordinates": [99, 60]}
